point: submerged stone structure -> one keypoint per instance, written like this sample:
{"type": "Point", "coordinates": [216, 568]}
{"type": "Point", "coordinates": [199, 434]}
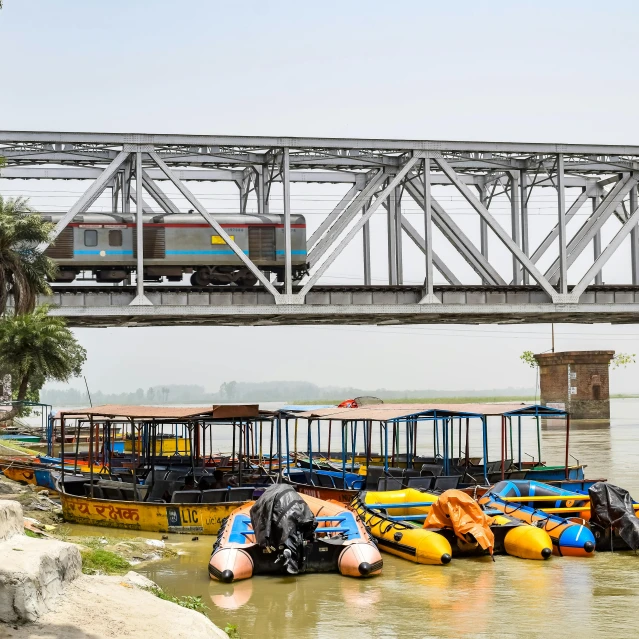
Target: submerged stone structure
{"type": "Point", "coordinates": [578, 380]}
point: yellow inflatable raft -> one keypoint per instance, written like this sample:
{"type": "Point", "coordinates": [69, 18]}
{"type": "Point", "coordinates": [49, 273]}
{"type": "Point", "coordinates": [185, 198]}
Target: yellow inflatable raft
{"type": "Point", "coordinates": [396, 518]}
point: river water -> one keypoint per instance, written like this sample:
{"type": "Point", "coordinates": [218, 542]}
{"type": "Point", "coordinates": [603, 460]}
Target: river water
{"type": "Point", "coordinates": [478, 598]}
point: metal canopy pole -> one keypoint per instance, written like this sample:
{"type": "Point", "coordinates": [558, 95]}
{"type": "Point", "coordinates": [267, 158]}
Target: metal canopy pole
{"type": "Point", "coordinates": [561, 201]}
{"type": "Point", "coordinates": [286, 186]}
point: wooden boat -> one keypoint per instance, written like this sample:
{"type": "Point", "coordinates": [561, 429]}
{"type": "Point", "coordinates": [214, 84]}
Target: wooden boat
{"type": "Point", "coordinates": [148, 516]}
{"type": "Point", "coordinates": [22, 472]}
{"type": "Point", "coordinates": [396, 517]}
{"type": "Point", "coordinates": [340, 543]}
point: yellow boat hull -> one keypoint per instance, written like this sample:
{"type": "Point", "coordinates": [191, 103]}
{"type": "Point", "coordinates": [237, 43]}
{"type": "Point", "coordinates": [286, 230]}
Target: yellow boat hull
{"type": "Point", "coordinates": [204, 519]}
{"type": "Point", "coordinates": [415, 544]}
{"type": "Point", "coordinates": [22, 475]}
{"type": "Point", "coordinates": [525, 542]}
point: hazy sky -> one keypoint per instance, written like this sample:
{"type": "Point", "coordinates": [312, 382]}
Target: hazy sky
{"type": "Point", "coordinates": [526, 71]}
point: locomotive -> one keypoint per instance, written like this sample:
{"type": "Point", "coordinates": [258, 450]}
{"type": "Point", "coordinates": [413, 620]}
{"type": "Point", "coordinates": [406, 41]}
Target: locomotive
{"type": "Point", "coordinates": [106, 245]}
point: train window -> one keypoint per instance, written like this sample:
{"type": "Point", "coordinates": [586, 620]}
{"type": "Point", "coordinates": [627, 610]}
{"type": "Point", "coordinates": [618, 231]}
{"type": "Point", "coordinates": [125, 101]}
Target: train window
{"type": "Point", "coordinates": [91, 238]}
{"type": "Point", "coordinates": [115, 238]}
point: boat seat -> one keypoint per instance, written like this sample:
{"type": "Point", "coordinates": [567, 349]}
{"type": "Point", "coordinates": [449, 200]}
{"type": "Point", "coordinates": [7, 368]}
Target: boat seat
{"type": "Point", "coordinates": [240, 494]}
{"type": "Point", "coordinates": [326, 481]}
{"type": "Point", "coordinates": [494, 466]}
{"type": "Point", "coordinates": [338, 482]}
{"type": "Point", "coordinates": [389, 483]}
{"type": "Point", "coordinates": [518, 474]}
{"type": "Point", "coordinates": [373, 475]}
{"type": "Point", "coordinates": [159, 488]}
{"type": "Point", "coordinates": [214, 495]}
{"type": "Point", "coordinates": [431, 470]}
{"type": "Point", "coordinates": [112, 493]}
{"type": "Point", "coordinates": [186, 497]}
{"type": "Point", "coordinates": [446, 482]}
{"type": "Point", "coordinates": [423, 483]}
{"type": "Point", "coordinates": [127, 493]}
{"type": "Point", "coordinates": [395, 472]}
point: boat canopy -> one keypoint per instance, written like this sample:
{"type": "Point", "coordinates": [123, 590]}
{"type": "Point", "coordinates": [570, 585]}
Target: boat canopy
{"type": "Point", "coordinates": [215, 411]}
{"type": "Point", "coordinates": [390, 412]}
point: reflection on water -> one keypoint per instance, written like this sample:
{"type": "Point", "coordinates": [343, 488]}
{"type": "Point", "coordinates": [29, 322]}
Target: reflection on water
{"type": "Point", "coordinates": [477, 598]}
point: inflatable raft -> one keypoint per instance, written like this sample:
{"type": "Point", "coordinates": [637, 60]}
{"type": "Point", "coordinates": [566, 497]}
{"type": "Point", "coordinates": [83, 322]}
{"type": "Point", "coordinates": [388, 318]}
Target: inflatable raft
{"type": "Point", "coordinates": [570, 537]}
{"type": "Point", "coordinates": [396, 518]}
{"type": "Point", "coordinates": [287, 536]}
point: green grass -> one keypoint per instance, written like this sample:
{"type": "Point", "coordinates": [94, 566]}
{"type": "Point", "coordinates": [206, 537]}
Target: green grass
{"type": "Point", "coordinates": [98, 561]}
{"type": "Point", "coordinates": [192, 603]}
{"type": "Point", "coordinates": [232, 631]}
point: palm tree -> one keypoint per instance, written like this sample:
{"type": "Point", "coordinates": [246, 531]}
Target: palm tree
{"type": "Point", "coordinates": [24, 270]}
{"type": "Point", "coordinates": [36, 348]}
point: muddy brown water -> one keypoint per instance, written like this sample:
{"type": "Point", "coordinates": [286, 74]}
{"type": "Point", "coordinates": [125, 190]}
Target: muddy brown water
{"type": "Point", "coordinates": [510, 598]}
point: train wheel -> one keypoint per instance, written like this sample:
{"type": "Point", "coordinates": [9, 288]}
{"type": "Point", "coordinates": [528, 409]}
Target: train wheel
{"type": "Point", "coordinates": [201, 277]}
{"type": "Point", "coordinates": [247, 280]}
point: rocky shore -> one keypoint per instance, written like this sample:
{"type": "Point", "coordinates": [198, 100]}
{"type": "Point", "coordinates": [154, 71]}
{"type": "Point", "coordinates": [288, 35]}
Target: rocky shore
{"type": "Point", "coordinates": [44, 595]}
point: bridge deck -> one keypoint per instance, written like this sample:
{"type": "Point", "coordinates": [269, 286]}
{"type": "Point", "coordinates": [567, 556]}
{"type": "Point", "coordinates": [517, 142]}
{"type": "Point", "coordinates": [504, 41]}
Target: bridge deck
{"type": "Point", "coordinates": [185, 305]}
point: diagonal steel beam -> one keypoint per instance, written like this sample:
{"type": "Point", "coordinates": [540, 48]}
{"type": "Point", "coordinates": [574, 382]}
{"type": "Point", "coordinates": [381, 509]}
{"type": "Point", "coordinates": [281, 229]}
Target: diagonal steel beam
{"type": "Point", "coordinates": [593, 224]}
{"type": "Point", "coordinates": [462, 243]}
{"type": "Point", "coordinates": [214, 223]}
{"type": "Point", "coordinates": [545, 244]}
{"type": "Point", "coordinates": [163, 200]}
{"type": "Point", "coordinates": [439, 264]}
{"type": "Point", "coordinates": [496, 227]}
{"type": "Point", "coordinates": [331, 217]}
{"type": "Point", "coordinates": [607, 253]}
{"type": "Point", "coordinates": [347, 216]}
{"type": "Point", "coordinates": [395, 181]}
{"type": "Point", "coordinates": [87, 198]}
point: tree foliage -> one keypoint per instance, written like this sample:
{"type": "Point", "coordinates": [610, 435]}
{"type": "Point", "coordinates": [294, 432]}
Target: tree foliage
{"type": "Point", "coordinates": [623, 359]}
{"type": "Point", "coordinates": [36, 348]}
{"type": "Point", "coordinates": [528, 357]}
{"type": "Point", "coordinates": [24, 270]}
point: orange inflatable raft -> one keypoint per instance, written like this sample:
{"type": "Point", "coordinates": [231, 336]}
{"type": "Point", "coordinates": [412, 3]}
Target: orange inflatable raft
{"type": "Point", "coordinates": [339, 542]}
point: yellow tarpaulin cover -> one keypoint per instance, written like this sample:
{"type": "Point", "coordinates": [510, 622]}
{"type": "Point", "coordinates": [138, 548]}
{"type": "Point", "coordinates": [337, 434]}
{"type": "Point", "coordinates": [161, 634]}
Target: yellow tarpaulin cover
{"type": "Point", "coordinates": [459, 511]}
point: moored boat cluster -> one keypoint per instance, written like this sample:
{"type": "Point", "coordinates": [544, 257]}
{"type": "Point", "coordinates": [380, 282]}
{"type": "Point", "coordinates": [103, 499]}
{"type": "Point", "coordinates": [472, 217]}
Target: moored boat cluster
{"type": "Point", "coordinates": [327, 488]}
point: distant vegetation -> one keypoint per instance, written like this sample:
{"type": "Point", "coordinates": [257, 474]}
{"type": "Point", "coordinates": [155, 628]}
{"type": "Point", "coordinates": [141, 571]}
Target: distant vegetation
{"type": "Point", "coordinates": [281, 391]}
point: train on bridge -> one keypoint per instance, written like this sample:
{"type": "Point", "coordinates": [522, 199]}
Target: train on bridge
{"type": "Point", "coordinates": [105, 244]}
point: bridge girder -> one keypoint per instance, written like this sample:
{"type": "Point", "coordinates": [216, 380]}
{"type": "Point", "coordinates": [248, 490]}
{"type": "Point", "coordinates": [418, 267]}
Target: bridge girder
{"type": "Point", "coordinates": [377, 174]}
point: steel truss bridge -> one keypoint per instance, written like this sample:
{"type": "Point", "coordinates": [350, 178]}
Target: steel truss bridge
{"type": "Point", "coordinates": [378, 173]}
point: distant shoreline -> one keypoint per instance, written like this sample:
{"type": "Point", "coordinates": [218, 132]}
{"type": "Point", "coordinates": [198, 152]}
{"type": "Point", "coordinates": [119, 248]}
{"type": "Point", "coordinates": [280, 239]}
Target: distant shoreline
{"type": "Point", "coordinates": [447, 400]}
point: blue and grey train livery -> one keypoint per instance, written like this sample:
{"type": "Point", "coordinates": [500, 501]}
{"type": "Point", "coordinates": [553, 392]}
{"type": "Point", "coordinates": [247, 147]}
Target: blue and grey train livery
{"type": "Point", "coordinates": [106, 245]}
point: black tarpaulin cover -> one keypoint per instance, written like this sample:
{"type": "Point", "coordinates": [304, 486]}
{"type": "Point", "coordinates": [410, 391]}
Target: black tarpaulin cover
{"type": "Point", "coordinates": [282, 520]}
{"type": "Point", "coordinates": [611, 507]}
